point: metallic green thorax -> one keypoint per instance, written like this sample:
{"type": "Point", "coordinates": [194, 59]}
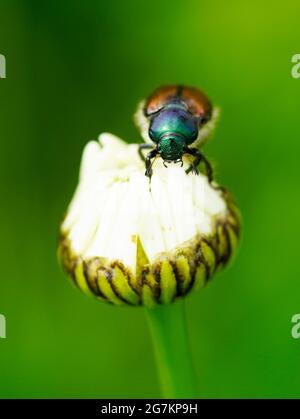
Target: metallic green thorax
{"type": "Point", "coordinates": [173, 128]}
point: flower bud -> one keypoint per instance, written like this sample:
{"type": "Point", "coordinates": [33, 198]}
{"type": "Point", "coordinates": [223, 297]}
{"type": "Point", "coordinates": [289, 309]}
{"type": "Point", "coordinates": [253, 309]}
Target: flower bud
{"type": "Point", "coordinates": [128, 241]}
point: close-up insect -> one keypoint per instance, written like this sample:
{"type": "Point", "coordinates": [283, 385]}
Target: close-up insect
{"type": "Point", "coordinates": [177, 274]}
{"type": "Point", "coordinates": [175, 121]}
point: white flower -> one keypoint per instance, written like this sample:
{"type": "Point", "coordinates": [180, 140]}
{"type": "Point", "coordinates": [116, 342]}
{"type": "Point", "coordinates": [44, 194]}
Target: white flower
{"type": "Point", "coordinates": [128, 241]}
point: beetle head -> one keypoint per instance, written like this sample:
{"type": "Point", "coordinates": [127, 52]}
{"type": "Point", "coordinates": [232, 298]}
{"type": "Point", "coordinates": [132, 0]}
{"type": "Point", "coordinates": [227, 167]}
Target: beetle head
{"type": "Point", "coordinates": [171, 146]}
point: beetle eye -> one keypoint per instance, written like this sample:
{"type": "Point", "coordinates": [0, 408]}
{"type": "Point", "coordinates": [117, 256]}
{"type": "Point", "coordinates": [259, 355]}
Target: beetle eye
{"type": "Point", "coordinates": [151, 134]}
{"type": "Point", "coordinates": [204, 119]}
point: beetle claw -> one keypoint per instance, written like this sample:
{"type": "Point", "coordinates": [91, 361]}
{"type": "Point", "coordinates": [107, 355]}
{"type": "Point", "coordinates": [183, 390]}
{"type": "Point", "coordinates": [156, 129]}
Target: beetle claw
{"type": "Point", "coordinates": [148, 173]}
{"type": "Point", "coordinates": [192, 169]}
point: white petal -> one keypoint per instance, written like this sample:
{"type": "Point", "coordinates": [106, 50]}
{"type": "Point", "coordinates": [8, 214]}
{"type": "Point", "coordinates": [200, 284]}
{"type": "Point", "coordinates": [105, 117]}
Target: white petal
{"type": "Point", "coordinates": [114, 204]}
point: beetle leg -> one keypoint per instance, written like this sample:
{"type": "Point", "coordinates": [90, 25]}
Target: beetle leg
{"type": "Point", "coordinates": [150, 156]}
{"type": "Point", "coordinates": [208, 168]}
{"type": "Point", "coordinates": [198, 158]}
{"type": "Point", "coordinates": [143, 147]}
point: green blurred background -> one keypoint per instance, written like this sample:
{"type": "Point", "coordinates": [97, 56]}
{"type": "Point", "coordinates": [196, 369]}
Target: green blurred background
{"type": "Point", "coordinates": [78, 68]}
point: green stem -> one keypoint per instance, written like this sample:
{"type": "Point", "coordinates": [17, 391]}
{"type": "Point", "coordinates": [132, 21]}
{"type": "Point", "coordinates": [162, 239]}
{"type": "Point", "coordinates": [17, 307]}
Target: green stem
{"type": "Point", "coordinates": [170, 338]}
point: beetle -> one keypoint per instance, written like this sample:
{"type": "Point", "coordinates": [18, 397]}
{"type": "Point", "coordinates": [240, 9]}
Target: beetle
{"type": "Point", "coordinates": [175, 121]}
